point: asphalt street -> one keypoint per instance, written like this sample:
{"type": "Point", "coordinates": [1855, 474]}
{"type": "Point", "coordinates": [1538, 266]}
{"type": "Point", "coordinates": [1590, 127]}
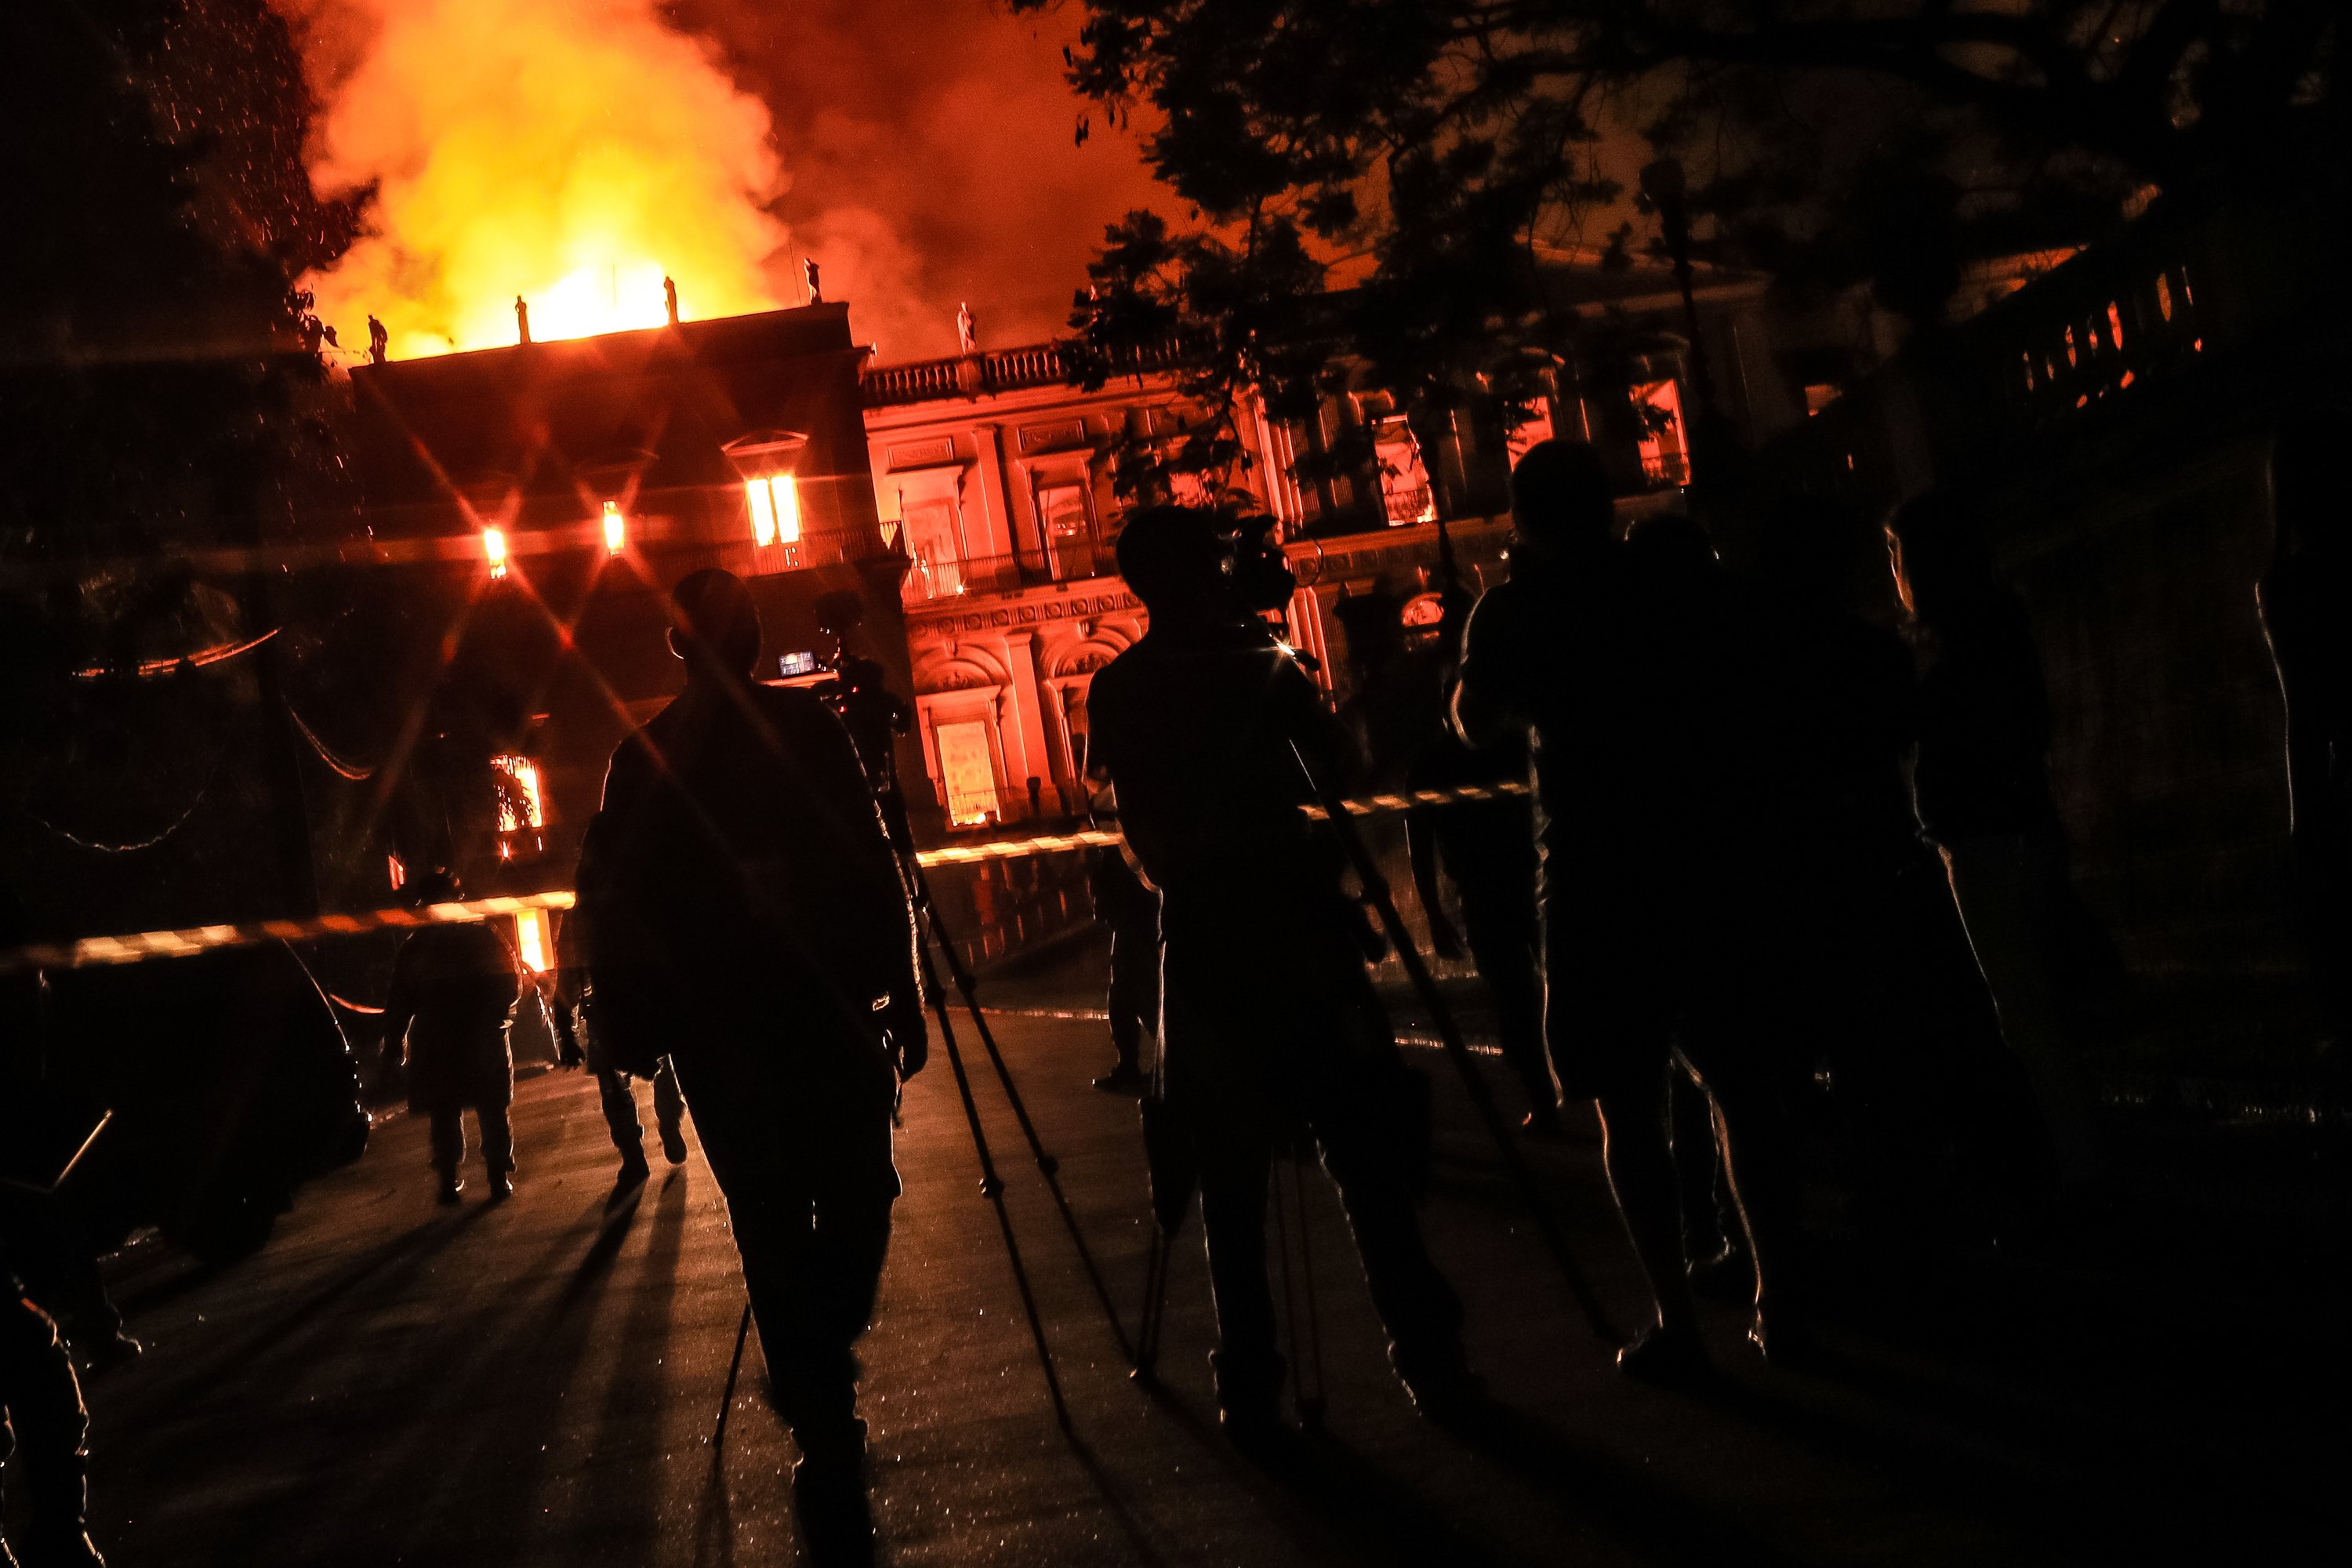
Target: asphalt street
{"type": "Point", "coordinates": [539, 1382]}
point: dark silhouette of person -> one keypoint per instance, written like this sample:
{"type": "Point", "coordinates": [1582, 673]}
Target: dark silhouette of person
{"type": "Point", "coordinates": [1130, 910]}
{"type": "Point", "coordinates": [614, 1094]}
{"type": "Point", "coordinates": [748, 920]}
{"type": "Point", "coordinates": [2307, 606]}
{"type": "Point", "coordinates": [1982, 788]}
{"type": "Point", "coordinates": [1674, 548]}
{"type": "Point", "coordinates": [45, 1435]}
{"type": "Point", "coordinates": [1487, 849]}
{"type": "Point", "coordinates": [41, 1415]}
{"type": "Point", "coordinates": [1902, 1015]}
{"type": "Point", "coordinates": [1658, 929]}
{"type": "Point", "coordinates": [454, 988]}
{"type": "Point", "coordinates": [45, 1232]}
{"type": "Point", "coordinates": [1271, 1026]}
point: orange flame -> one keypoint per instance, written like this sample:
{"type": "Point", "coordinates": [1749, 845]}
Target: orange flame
{"type": "Point", "coordinates": [573, 152]}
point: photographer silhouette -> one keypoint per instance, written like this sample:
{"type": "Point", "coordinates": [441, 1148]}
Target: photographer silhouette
{"type": "Point", "coordinates": [744, 916]}
{"type": "Point", "coordinates": [1270, 1025]}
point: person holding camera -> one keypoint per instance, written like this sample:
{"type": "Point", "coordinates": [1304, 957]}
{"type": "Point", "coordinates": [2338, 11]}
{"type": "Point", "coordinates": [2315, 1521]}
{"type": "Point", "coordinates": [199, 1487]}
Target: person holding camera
{"type": "Point", "coordinates": [745, 916]}
{"type": "Point", "coordinates": [1271, 1026]}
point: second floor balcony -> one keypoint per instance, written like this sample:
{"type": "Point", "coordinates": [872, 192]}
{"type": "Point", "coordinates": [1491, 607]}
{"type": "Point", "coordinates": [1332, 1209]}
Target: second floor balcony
{"type": "Point", "coordinates": [930, 580]}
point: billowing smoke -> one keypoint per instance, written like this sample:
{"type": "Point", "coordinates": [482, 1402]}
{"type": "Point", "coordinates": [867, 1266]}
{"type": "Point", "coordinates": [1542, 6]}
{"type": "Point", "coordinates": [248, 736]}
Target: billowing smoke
{"type": "Point", "coordinates": [571, 151]}
{"type": "Point", "coordinates": [576, 151]}
{"type": "Point", "coordinates": [935, 158]}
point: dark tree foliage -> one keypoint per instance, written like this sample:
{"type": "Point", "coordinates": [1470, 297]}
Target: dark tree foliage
{"type": "Point", "coordinates": [162, 405]}
{"type": "Point", "coordinates": [1438, 150]}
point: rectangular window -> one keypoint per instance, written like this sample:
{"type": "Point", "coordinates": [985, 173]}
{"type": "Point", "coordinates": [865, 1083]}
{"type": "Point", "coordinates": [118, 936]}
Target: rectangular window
{"type": "Point", "coordinates": [967, 773]}
{"type": "Point", "coordinates": [1068, 523]}
{"type": "Point", "coordinates": [933, 545]}
{"type": "Point", "coordinates": [530, 939]}
{"type": "Point", "coordinates": [1665, 456]}
{"type": "Point", "coordinates": [1526, 436]}
{"type": "Point", "coordinates": [775, 503]}
{"type": "Point", "coordinates": [1405, 495]}
{"type": "Point", "coordinates": [521, 816]}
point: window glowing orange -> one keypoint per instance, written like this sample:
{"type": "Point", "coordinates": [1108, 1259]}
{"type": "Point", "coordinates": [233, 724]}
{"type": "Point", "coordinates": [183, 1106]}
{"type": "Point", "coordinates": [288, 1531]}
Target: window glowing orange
{"type": "Point", "coordinates": [763, 511]}
{"type": "Point", "coordinates": [788, 509]}
{"type": "Point", "coordinates": [519, 807]}
{"type": "Point", "coordinates": [1665, 452]}
{"type": "Point", "coordinates": [530, 939]}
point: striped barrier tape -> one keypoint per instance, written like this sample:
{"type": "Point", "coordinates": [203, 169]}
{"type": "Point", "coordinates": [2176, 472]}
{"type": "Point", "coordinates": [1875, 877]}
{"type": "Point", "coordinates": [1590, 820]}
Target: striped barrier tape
{"type": "Point", "coordinates": [95, 952]}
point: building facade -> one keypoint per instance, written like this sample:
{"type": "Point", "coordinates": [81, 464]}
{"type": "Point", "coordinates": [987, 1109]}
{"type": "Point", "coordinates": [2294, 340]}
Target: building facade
{"type": "Point", "coordinates": [994, 475]}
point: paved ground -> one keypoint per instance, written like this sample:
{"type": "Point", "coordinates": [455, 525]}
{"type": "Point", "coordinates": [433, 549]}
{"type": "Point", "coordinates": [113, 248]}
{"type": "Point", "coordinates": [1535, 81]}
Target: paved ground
{"type": "Point", "coordinates": [392, 1383]}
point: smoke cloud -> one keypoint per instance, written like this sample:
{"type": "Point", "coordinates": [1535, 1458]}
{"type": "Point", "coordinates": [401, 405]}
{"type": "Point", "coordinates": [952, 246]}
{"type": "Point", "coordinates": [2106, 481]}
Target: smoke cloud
{"type": "Point", "coordinates": [572, 151]}
{"type": "Point", "coordinates": [935, 159]}
{"type": "Point", "coordinates": [576, 151]}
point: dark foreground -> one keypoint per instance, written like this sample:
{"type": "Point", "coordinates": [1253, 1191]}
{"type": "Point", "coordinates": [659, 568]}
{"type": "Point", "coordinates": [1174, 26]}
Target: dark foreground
{"type": "Point", "coordinates": [393, 1383]}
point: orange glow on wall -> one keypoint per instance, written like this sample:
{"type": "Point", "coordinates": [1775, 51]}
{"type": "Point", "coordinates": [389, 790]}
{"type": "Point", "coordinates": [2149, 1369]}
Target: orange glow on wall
{"type": "Point", "coordinates": [616, 528]}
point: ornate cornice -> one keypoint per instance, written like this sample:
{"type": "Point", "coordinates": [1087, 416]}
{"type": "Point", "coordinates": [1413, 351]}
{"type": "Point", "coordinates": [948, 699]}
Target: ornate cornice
{"type": "Point", "coordinates": [1009, 612]}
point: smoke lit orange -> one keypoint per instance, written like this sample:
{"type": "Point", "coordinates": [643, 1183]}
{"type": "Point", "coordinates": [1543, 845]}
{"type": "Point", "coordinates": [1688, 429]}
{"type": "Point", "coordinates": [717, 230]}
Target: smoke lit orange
{"type": "Point", "coordinates": [571, 151]}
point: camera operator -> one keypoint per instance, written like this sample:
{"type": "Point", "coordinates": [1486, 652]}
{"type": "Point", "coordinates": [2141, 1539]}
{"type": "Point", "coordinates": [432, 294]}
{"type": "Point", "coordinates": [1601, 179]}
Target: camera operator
{"type": "Point", "coordinates": [746, 918]}
{"type": "Point", "coordinates": [1633, 670]}
{"type": "Point", "coordinates": [1271, 1024]}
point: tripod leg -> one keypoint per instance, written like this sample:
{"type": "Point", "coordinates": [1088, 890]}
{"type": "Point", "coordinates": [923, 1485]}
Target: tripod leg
{"type": "Point", "coordinates": [1047, 1165]}
{"type": "Point", "coordinates": [1289, 1299]}
{"type": "Point", "coordinates": [991, 1187]}
{"type": "Point", "coordinates": [727, 1397]}
{"type": "Point", "coordinates": [1310, 1409]}
{"type": "Point", "coordinates": [1376, 888]}
{"type": "Point", "coordinates": [1155, 1307]}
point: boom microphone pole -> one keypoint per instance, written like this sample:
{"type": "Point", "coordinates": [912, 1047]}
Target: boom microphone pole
{"type": "Point", "coordinates": [1376, 889]}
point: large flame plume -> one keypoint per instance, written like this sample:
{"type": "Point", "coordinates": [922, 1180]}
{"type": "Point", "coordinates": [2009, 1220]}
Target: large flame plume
{"type": "Point", "coordinates": [573, 152]}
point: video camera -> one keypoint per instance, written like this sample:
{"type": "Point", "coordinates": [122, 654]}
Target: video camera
{"type": "Point", "coordinates": [1262, 576]}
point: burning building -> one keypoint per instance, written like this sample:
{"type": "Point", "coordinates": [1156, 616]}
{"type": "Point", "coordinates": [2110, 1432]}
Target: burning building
{"type": "Point", "coordinates": [537, 501]}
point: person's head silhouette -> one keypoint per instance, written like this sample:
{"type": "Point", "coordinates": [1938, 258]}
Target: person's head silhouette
{"type": "Point", "coordinates": [714, 626]}
{"type": "Point", "coordinates": [1560, 502]}
{"type": "Point", "coordinates": [1175, 561]}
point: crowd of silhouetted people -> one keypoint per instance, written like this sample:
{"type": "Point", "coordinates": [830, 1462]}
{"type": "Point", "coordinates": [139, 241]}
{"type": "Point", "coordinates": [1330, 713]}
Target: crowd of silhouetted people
{"type": "Point", "coordinates": [1773, 843]}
